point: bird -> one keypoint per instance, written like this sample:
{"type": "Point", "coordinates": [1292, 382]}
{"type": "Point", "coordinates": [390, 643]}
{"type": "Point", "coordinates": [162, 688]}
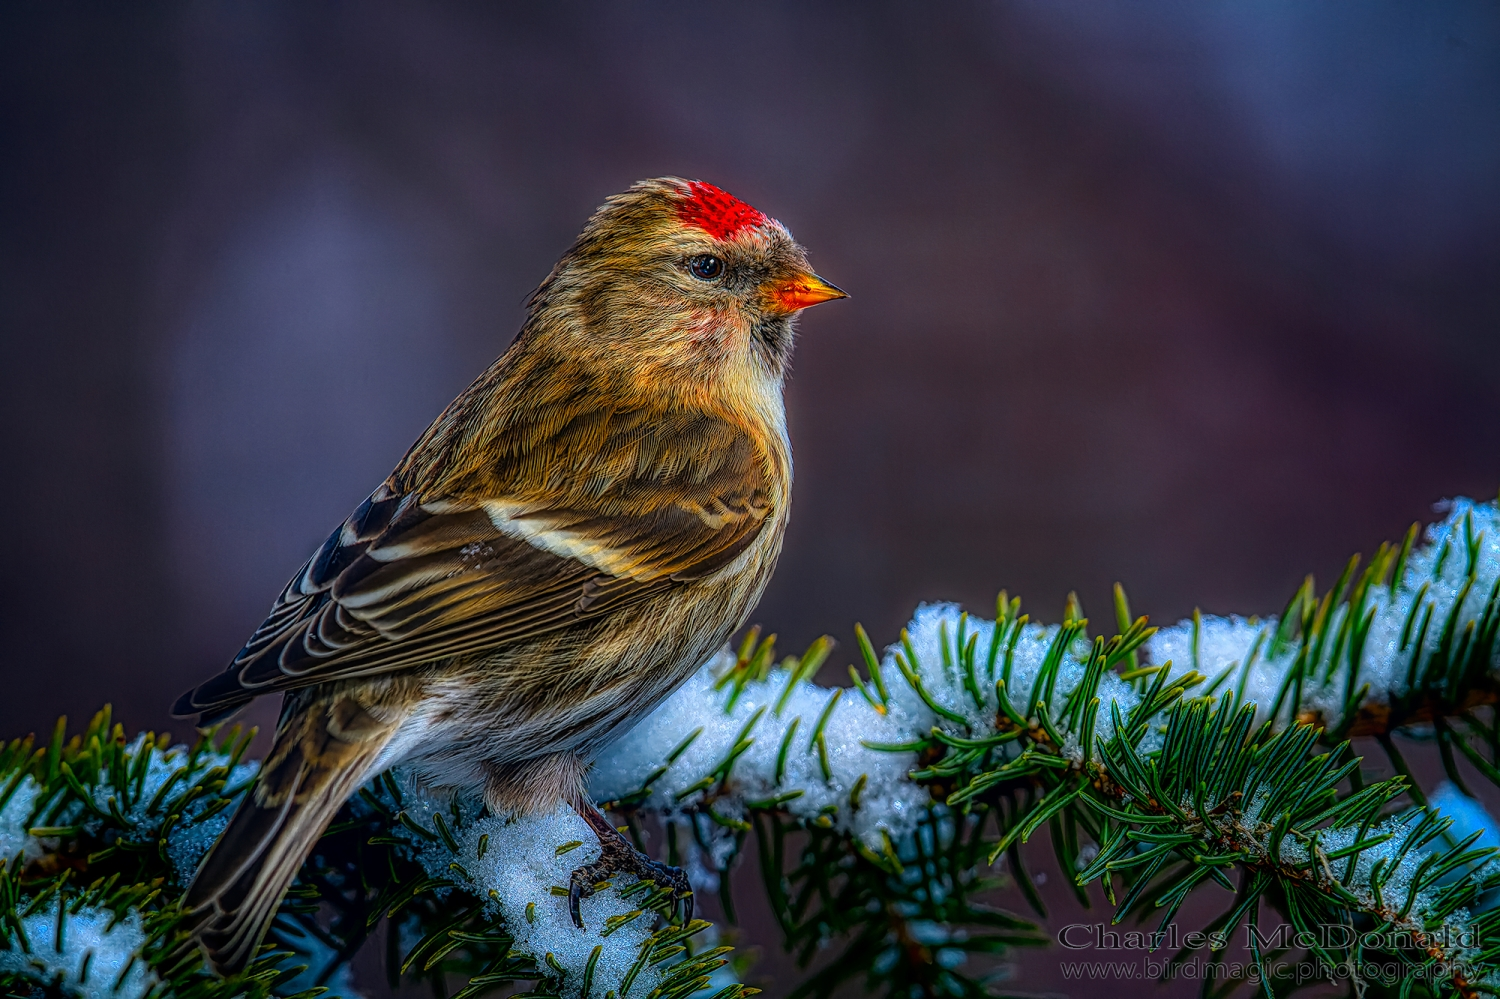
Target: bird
{"type": "Point", "coordinates": [570, 539]}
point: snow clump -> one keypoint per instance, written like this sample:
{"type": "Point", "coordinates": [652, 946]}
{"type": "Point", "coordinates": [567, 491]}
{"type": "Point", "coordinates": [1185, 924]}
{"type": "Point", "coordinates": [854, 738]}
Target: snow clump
{"type": "Point", "coordinates": [1459, 561]}
{"type": "Point", "coordinates": [515, 864]}
{"type": "Point", "coordinates": [95, 954]}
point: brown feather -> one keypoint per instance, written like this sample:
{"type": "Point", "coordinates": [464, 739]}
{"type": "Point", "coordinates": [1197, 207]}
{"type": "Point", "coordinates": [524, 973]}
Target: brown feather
{"type": "Point", "coordinates": [571, 537]}
{"type": "Point", "coordinates": [441, 579]}
{"type": "Point", "coordinates": [324, 747]}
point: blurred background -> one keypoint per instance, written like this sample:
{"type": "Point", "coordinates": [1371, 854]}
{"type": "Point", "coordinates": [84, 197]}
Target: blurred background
{"type": "Point", "coordinates": [1199, 297]}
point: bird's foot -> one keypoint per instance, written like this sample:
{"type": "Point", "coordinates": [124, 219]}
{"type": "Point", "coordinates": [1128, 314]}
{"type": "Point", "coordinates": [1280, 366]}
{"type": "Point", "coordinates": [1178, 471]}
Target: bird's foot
{"type": "Point", "coordinates": [619, 856]}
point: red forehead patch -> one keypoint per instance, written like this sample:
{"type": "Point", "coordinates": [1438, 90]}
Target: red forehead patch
{"type": "Point", "coordinates": [716, 212]}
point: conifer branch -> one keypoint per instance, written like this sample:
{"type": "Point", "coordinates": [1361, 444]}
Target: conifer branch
{"type": "Point", "coordinates": [1157, 761]}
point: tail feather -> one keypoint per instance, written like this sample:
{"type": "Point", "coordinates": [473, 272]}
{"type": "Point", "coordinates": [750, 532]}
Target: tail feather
{"type": "Point", "coordinates": [323, 750]}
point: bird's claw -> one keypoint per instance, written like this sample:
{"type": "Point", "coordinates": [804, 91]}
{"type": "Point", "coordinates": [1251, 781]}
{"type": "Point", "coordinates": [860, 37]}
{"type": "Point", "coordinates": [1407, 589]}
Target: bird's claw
{"type": "Point", "coordinates": [618, 856]}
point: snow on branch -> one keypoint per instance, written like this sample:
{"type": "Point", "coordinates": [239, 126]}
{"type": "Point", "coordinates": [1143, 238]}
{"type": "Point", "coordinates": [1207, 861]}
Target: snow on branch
{"type": "Point", "coordinates": [1198, 738]}
{"type": "Point", "coordinates": [767, 733]}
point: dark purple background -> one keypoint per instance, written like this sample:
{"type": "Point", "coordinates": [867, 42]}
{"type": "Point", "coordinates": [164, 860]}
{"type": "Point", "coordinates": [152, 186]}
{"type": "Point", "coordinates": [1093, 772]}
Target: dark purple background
{"type": "Point", "coordinates": [1198, 297]}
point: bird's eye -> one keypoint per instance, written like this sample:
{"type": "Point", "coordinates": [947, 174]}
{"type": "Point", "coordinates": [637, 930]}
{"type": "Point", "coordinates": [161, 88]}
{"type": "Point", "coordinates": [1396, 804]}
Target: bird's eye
{"type": "Point", "coordinates": [706, 267]}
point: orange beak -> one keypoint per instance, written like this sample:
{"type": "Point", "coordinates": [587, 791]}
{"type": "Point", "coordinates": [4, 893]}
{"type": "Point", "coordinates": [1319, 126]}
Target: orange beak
{"type": "Point", "coordinates": [802, 291]}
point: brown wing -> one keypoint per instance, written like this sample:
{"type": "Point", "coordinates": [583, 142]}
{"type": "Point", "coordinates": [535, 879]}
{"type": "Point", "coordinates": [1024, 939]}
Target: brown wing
{"type": "Point", "coordinates": [616, 507]}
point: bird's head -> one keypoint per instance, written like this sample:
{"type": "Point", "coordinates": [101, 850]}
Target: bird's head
{"type": "Point", "coordinates": [678, 281]}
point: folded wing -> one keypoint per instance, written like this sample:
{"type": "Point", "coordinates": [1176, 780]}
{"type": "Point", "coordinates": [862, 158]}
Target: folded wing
{"type": "Point", "coordinates": [546, 535]}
